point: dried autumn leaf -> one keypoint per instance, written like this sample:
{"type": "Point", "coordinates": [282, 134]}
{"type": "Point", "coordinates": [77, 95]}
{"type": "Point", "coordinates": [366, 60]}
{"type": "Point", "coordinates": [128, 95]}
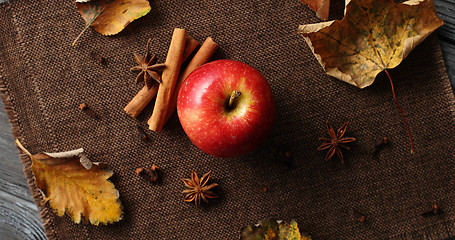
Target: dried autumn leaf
{"type": "Point", "coordinates": [72, 184]}
{"type": "Point", "coordinates": [373, 36]}
{"type": "Point", "coordinates": [272, 229]}
{"type": "Point", "coordinates": [321, 7]}
{"type": "Point", "coordinates": [109, 17]}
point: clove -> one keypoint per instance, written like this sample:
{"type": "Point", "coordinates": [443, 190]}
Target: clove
{"type": "Point", "coordinates": [150, 174]}
{"type": "Point", "coordinates": [283, 158]}
{"type": "Point", "coordinates": [141, 132]}
{"type": "Point", "coordinates": [287, 160]}
{"type": "Point", "coordinates": [379, 145]}
{"type": "Point", "coordinates": [98, 58]}
{"type": "Point", "coordinates": [153, 172]}
{"type": "Point", "coordinates": [140, 171]}
{"type": "Point", "coordinates": [264, 188]}
{"type": "Point", "coordinates": [435, 210]}
{"type": "Point", "coordinates": [85, 108]}
{"type": "Point", "coordinates": [359, 216]}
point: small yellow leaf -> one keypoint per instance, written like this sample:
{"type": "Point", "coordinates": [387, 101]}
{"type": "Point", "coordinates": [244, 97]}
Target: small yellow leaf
{"type": "Point", "coordinates": [72, 184]}
{"type": "Point", "coordinates": [373, 36]}
{"type": "Point", "coordinates": [109, 17]}
{"type": "Point", "coordinates": [273, 230]}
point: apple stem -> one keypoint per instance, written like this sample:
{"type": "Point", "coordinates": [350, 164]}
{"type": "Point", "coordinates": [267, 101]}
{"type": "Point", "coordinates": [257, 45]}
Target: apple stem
{"type": "Point", "coordinates": [234, 95]}
{"type": "Point", "coordinates": [401, 111]}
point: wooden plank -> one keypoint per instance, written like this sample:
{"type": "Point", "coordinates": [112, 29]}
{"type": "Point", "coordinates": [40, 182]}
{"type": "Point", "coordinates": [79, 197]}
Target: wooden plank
{"type": "Point", "coordinates": [446, 11]}
{"type": "Point", "coordinates": [19, 217]}
{"type": "Point", "coordinates": [448, 50]}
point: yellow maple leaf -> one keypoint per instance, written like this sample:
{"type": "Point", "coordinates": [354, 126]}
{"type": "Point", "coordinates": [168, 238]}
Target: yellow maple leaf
{"type": "Point", "coordinates": [73, 184]}
{"type": "Point", "coordinates": [373, 36]}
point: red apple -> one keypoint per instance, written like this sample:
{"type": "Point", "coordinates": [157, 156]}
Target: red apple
{"type": "Point", "coordinates": [226, 108]}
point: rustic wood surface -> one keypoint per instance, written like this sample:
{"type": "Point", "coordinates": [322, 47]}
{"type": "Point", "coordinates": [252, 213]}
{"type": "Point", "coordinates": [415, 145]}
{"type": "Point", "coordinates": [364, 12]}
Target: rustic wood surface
{"type": "Point", "coordinates": [19, 217]}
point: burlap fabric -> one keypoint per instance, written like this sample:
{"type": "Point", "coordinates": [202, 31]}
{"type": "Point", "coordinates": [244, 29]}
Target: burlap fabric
{"type": "Point", "coordinates": [44, 79]}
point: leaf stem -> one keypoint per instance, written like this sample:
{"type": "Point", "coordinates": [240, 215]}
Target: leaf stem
{"type": "Point", "coordinates": [86, 27]}
{"type": "Point", "coordinates": [19, 144]}
{"type": "Point", "coordinates": [401, 111]}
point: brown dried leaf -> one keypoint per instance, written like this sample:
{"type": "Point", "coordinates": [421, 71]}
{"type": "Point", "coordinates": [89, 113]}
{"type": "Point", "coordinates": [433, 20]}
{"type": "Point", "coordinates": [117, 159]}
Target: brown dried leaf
{"type": "Point", "coordinates": [73, 184]}
{"type": "Point", "coordinates": [373, 36]}
{"type": "Point", "coordinates": [109, 17]}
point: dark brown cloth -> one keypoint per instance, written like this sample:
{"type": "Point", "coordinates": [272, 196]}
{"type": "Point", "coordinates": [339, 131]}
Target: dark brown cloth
{"type": "Point", "coordinates": [44, 80]}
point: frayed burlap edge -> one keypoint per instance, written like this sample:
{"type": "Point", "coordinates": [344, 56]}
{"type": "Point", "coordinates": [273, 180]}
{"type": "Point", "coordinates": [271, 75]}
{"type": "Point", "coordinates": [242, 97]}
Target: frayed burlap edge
{"type": "Point", "coordinates": [26, 162]}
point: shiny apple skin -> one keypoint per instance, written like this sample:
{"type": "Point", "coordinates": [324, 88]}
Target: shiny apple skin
{"type": "Point", "coordinates": [216, 129]}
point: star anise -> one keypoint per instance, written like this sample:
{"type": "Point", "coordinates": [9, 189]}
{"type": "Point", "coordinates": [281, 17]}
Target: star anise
{"type": "Point", "coordinates": [197, 188]}
{"type": "Point", "coordinates": [148, 67]}
{"type": "Point", "coordinates": [335, 141]}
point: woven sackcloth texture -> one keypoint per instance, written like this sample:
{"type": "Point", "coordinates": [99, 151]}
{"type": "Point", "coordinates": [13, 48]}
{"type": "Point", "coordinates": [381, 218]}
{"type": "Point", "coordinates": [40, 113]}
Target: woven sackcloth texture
{"type": "Point", "coordinates": [44, 80]}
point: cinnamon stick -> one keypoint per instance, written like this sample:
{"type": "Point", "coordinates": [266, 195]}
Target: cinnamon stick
{"type": "Point", "coordinates": [202, 56]}
{"type": "Point", "coordinates": [169, 80]}
{"type": "Point", "coordinates": [145, 95]}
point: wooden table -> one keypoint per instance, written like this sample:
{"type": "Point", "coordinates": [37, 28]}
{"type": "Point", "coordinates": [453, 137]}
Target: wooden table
{"type": "Point", "coordinates": [19, 217]}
